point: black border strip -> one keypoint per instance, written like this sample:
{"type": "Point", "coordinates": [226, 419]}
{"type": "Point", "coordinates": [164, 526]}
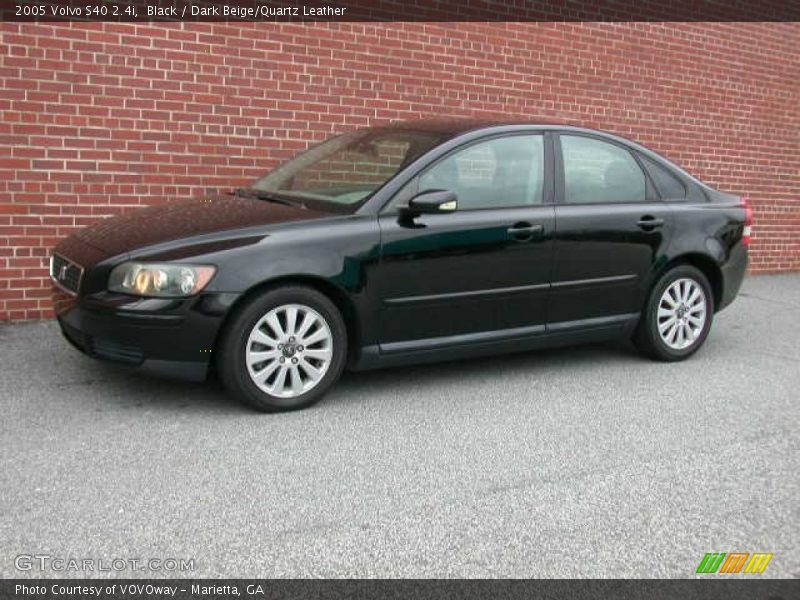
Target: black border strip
{"type": "Point", "coordinates": [404, 10]}
{"type": "Point", "coordinates": [707, 589]}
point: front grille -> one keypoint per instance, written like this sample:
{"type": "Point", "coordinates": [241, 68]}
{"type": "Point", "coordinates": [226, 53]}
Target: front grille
{"type": "Point", "coordinates": [102, 348]}
{"type": "Point", "coordinates": [65, 273]}
{"type": "Point", "coordinates": [109, 350]}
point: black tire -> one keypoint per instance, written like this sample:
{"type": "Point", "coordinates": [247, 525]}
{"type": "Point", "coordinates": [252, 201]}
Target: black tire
{"type": "Point", "coordinates": [647, 337]}
{"type": "Point", "coordinates": [231, 351]}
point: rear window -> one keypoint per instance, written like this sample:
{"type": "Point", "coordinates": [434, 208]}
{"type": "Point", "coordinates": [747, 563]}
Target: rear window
{"type": "Point", "coordinates": [667, 184]}
{"type": "Point", "coordinates": [599, 172]}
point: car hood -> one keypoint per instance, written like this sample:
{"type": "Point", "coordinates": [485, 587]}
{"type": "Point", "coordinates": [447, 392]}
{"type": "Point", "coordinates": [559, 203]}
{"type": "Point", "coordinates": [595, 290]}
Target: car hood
{"type": "Point", "coordinates": [158, 224]}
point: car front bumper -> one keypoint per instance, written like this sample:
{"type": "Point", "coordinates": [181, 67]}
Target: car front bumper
{"type": "Point", "coordinates": [168, 337]}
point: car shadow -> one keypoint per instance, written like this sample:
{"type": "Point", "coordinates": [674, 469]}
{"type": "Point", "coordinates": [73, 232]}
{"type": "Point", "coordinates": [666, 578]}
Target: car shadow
{"type": "Point", "coordinates": [496, 367]}
{"type": "Point", "coordinates": [128, 389]}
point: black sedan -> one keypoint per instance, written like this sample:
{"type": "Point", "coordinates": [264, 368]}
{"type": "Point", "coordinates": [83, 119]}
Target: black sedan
{"type": "Point", "coordinates": [415, 242]}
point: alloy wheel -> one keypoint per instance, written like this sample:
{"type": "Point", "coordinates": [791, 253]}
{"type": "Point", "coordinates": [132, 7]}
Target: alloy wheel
{"type": "Point", "coordinates": [289, 350]}
{"type": "Point", "coordinates": [681, 313]}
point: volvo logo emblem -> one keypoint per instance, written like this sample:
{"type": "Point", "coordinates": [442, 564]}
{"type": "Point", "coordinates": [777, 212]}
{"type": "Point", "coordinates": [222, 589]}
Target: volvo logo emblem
{"type": "Point", "coordinates": [62, 273]}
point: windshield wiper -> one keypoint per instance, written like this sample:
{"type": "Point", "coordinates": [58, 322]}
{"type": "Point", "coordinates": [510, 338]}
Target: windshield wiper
{"type": "Point", "coordinates": [261, 195]}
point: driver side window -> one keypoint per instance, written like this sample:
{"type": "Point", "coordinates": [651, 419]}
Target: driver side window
{"type": "Point", "coordinates": [498, 173]}
{"type": "Point", "coordinates": [600, 172]}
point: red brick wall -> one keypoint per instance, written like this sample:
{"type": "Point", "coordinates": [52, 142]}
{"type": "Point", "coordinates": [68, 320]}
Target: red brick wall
{"type": "Point", "coordinates": [102, 118]}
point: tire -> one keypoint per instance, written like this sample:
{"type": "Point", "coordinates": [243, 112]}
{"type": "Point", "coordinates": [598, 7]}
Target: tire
{"type": "Point", "coordinates": [260, 343]}
{"type": "Point", "coordinates": [683, 334]}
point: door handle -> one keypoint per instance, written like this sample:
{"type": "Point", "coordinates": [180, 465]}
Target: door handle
{"type": "Point", "coordinates": [524, 231]}
{"type": "Point", "coordinates": [649, 223]}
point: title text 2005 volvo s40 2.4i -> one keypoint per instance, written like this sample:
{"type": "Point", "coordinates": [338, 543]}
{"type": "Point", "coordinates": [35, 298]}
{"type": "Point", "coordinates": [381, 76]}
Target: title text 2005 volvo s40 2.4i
{"type": "Point", "coordinates": [408, 243]}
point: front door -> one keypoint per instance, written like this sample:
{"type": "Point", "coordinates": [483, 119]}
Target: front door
{"type": "Point", "coordinates": [481, 272]}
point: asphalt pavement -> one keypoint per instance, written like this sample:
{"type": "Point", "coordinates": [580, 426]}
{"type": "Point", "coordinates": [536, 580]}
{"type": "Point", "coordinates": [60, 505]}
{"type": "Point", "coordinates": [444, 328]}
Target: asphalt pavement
{"type": "Point", "coordinates": [579, 462]}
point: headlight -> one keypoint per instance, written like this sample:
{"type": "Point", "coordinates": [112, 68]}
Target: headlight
{"type": "Point", "coordinates": [161, 280]}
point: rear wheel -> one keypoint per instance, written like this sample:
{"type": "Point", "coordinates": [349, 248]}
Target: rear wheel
{"type": "Point", "coordinates": [284, 349]}
{"type": "Point", "coordinates": [678, 315]}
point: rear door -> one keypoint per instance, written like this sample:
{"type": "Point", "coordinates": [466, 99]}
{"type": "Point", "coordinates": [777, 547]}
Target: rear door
{"type": "Point", "coordinates": [611, 231]}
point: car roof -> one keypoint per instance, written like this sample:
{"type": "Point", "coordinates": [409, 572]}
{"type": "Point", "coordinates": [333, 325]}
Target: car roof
{"type": "Point", "coordinates": [450, 128]}
{"type": "Point", "coordinates": [455, 127]}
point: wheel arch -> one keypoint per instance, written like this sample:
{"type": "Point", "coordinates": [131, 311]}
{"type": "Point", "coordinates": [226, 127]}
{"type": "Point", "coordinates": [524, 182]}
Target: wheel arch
{"type": "Point", "coordinates": [707, 266]}
{"type": "Point", "coordinates": [330, 290]}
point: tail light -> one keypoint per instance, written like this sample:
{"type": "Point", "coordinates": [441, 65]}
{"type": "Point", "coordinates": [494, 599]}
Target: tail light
{"type": "Point", "coordinates": [747, 232]}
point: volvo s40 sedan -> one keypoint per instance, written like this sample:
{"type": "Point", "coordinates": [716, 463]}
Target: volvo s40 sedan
{"type": "Point", "coordinates": [415, 242]}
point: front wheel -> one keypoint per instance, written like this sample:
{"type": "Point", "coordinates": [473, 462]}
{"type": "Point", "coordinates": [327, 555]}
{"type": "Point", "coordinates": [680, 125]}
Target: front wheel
{"type": "Point", "coordinates": [283, 350]}
{"type": "Point", "coordinates": [678, 315]}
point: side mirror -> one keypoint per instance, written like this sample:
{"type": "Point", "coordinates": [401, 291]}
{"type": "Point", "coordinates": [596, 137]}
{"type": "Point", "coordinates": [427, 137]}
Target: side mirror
{"type": "Point", "coordinates": [433, 202]}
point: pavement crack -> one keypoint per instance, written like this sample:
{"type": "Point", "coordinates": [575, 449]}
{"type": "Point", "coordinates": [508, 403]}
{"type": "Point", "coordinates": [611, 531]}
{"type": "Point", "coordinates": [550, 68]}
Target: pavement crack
{"type": "Point", "coordinates": [773, 355]}
{"type": "Point", "coordinates": [769, 300]}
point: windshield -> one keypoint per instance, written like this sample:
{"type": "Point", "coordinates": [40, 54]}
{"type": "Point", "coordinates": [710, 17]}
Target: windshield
{"type": "Point", "coordinates": [347, 169]}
